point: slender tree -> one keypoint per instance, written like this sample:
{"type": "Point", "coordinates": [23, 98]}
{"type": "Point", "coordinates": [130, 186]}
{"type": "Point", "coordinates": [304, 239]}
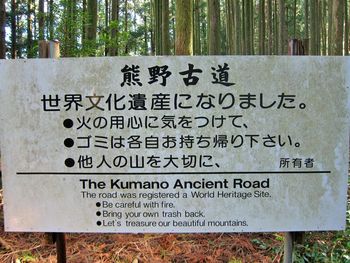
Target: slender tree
{"type": "Point", "coordinates": [269, 27]}
{"type": "Point", "coordinates": [2, 29]}
{"type": "Point", "coordinates": [41, 17]}
{"type": "Point", "coordinates": [51, 19]}
{"type": "Point", "coordinates": [29, 29]}
{"type": "Point", "coordinates": [252, 29]}
{"type": "Point", "coordinates": [13, 29]}
{"type": "Point", "coordinates": [165, 28]}
{"type": "Point", "coordinates": [157, 7]}
{"type": "Point", "coordinates": [346, 29]}
{"type": "Point", "coordinates": [230, 28]}
{"type": "Point", "coordinates": [196, 28]}
{"type": "Point", "coordinates": [152, 28]}
{"type": "Point", "coordinates": [107, 26]}
{"type": "Point", "coordinates": [248, 20]}
{"type": "Point", "coordinates": [313, 18]}
{"type": "Point", "coordinates": [84, 24]}
{"type": "Point", "coordinates": [126, 26]}
{"type": "Point", "coordinates": [338, 27]}
{"type": "Point", "coordinates": [35, 20]}
{"type": "Point", "coordinates": [145, 33]}
{"type": "Point", "coordinates": [204, 26]}
{"type": "Point", "coordinates": [261, 27]}
{"type": "Point", "coordinates": [238, 27]}
{"type": "Point", "coordinates": [330, 26]}
{"type": "Point", "coordinates": [275, 29]}
{"type": "Point", "coordinates": [306, 19]}
{"type": "Point", "coordinates": [113, 50]}
{"type": "Point", "coordinates": [282, 28]}
{"type": "Point", "coordinates": [243, 32]}
{"type": "Point", "coordinates": [184, 28]}
{"type": "Point", "coordinates": [161, 27]}
{"type": "Point", "coordinates": [318, 26]}
{"type": "Point", "coordinates": [91, 27]}
{"type": "Point", "coordinates": [72, 24]}
{"type": "Point", "coordinates": [295, 19]}
{"type": "Point", "coordinates": [20, 28]}
{"type": "Point", "coordinates": [214, 27]}
{"type": "Point", "coordinates": [324, 27]}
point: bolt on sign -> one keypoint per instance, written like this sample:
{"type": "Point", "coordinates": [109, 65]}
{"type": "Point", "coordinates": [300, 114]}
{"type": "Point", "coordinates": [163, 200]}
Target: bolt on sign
{"type": "Point", "coordinates": [175, 144]}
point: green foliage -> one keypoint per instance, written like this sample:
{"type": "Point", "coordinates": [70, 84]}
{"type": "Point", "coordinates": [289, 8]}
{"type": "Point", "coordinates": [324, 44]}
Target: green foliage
{"type": "Point", "coordinates": [334, 247]}
{"type": "Point", "coordinates": [234, 260]}
{"type": "Point", "coordinates": [26, 257]}
{"type": "Point", "coordinates": [268, 245]}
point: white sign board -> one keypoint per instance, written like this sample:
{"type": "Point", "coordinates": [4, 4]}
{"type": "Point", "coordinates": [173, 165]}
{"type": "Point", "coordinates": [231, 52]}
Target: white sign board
{"type": "Point", "coordinates": [175, 144]}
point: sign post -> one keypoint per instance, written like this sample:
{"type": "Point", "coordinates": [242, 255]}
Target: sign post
{"type": "Point", "coordinates": [175, 144]}
{"type": "Point", "coordinates": [51, 49]}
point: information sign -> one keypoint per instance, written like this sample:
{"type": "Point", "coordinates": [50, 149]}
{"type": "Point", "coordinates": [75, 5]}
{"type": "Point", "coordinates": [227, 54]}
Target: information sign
{"type": "Point", "coordinates": [175, 144]}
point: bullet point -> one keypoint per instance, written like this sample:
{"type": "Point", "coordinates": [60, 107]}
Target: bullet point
{"type": "Point", "coordinates": [69, 162]}
{"type": "Point", "coordinates": [68, 123]}
{"type": "Point", "coordinates": [68, 142]}
{"type": "Point", "coordinates": [98, 204]}
{"type": "Point", "coordinates": [99, 223]}
{"type": "Point", "coordinates": [98, 213]}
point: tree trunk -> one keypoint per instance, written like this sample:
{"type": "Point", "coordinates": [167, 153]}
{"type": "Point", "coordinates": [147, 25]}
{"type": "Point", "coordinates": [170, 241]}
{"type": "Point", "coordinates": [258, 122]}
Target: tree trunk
{"type": "Point", "coordinates": [161, 27]}
{"type": "Point", "coordinates": [41, 17]}
{"type": "Point", "coordinates": [275, 25]}
{"type": "Point", "coordinates": [84, 24]}
{"type": "Point", "coordinates": [251, 17]}
{"type": "Point", "coordinates": [72, 27]}
{"type": "Point", "coordinates": [319, 26]}
{"type": "Point", "coordinates": [184, 28]}
{"type": "Point", "coordinates": [330, 26]}
{"type": "Point", "coordinates": [324, 29]}
{"type": "Point", "coordinates": [107, 26]}
{"type": "Point", "coordinates": [165, 28]}
{"type": "Point", "coordinates": [204, 31]}
{"type": "Point", "coordinates": [126, 30]}
{"type": "Point", "coordinates": [35, 18]}
{"type": "Point", "coordinates": [262, 27]}
{"type": "Point", "coordinates": [2, 30]}
{"type": "Point", "coordinates": [243, 32]}
{"type": "Point", "coordinates": [113, 49]}
{"type": "Point", "coordinates": [51, 20]}
{"type": "Point", "coordinates": [196, 29]}
{"type": "Point", "coordinates": [306, 21]}
{"type": "Point", "coordinates": [19, 33]}
{"type": "Point", "coordinates": [152, 28]}
{"type": "Point", "coordinates": [13, 29]}
{"type": "Point", "coordinates": [145, 48]}
{"type": "Point", "coordinates": [295, 19]}
{"type": "Point", "coordinates": [29, 30]}
{"type": "Point", "coordinates": [157, 7]}
{"type": "Point", "coordinates": [282, 28]}
{"type": "Point", "coordinates": [230, 27]}
{"type": "Point", "coordinates": [214, 27]}
{"type": "Point", "coordinates": [346, 23]}
{"type": "Point", "coordinates": [238, 27]}
{"type": "Point", "coordinates": [269, 26]}
{"type": "Point", "coordinates": [313, 38]}
{"type": "Point", "coordinates": [247, 28]}
{"type": "Point", "coordinates": [338, 29]}
{"type": "Point", "coordinates": [91, 26]}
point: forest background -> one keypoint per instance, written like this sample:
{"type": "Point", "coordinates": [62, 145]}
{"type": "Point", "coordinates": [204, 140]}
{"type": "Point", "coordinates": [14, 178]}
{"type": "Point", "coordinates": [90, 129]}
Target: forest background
{"type": "Point", "coordinates": [174, 27]}
{"type": "Point", "coordinates": [169, 27]}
